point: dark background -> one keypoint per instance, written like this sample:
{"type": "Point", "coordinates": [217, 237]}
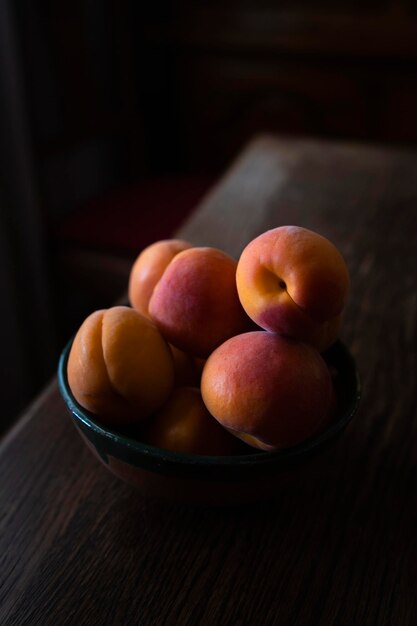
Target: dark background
{"type": "Point", "coordinates": [117, 116]}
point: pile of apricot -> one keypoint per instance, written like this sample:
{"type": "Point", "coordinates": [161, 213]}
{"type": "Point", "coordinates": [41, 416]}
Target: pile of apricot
{"type": "Point", "coordinates": [215, 351]}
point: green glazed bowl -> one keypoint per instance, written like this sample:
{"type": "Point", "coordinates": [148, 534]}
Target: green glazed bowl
{"type": "Point", "coordinates": [211, 480]}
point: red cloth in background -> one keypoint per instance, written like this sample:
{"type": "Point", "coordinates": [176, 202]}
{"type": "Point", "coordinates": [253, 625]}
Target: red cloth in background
{"type": "Point", "coordinates": [128, 219]}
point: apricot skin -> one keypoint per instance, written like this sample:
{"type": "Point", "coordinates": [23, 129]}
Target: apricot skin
{"type": "Point", "coordinates": [120, 368]}
{"type": "Point", "coordinates": [186, 370]}
{"type": "Point", "coordinates": [270, 390]}
{"type": "Point", "coordinates": [293, 281]}
{"type": "Point", "coordinates": [184, 425]}
{"type": "Point", "coordinates": [195, 304]}
{"type": "Point", "coordinates": [148, 269]}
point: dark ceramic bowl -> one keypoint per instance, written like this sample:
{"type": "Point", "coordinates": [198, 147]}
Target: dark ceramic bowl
{"type": "Point", "coordinates": [208, 479]}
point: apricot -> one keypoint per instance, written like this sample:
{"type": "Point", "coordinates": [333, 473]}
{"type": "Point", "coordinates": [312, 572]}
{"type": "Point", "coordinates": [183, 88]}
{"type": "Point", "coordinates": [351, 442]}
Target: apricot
{"type": "Point", "coordinates": [183, 424]}
{"type": "Point", "coordinates": [268, 390]}
{"type": "Point", "coordinates": [148, 269]}
{"type": "Point", "coordinates": [185, 369]}
{"type": "Point", "coordinates": [293, 281]}
{"type": "Point", "coordinates": [120, 367]}
{"type": "Point", "coordinates": [195, 304]}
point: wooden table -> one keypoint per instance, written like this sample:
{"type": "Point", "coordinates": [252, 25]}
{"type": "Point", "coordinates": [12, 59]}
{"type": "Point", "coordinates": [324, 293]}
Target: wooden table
{"type": "Point", "coordinates": [79, 547]}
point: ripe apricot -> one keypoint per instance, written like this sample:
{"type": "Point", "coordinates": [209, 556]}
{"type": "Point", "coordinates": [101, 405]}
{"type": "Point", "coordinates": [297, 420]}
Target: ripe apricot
{"type": "Point", "coordinates": [148, 269]}
{"type": "Point", "coordinates": [120, 367]}
{"type": "Point", "coordinates": [269, 390]}
{"type": "Point", "coordinates": [294, 281]}
{"type": "Point", "coordinates": [183, 424]}
{"type": "Point", "coordinates": [195, 303]}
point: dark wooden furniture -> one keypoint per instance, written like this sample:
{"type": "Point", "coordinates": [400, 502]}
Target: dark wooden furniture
{"type": "Point", "coordinates": [338, 70]}
{"type": "Point", "coordinates": [338, 546]}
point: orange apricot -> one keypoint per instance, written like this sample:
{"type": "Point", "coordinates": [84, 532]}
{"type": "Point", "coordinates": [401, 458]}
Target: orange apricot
{"type": "Point", "coordinates": [148, 269]}
{"type": "Point", "coordinates": [120, 367]}
{"type": "Point", "coordinates": [294, 281]}
{"type": "Point", "coordinates": [269, 390]}
{"type": "Point", "coordinates": [183, 424]}
{"type": "Point", "coordinates": [195, 303]}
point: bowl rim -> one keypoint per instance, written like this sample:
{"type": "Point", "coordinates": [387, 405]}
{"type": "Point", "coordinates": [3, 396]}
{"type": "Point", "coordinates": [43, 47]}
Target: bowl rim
{"type": "Point", "coordinates": [261, 459]}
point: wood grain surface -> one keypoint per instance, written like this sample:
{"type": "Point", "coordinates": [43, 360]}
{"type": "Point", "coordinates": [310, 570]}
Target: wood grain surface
{"type": "Point", "coordinates": [338, 546]}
